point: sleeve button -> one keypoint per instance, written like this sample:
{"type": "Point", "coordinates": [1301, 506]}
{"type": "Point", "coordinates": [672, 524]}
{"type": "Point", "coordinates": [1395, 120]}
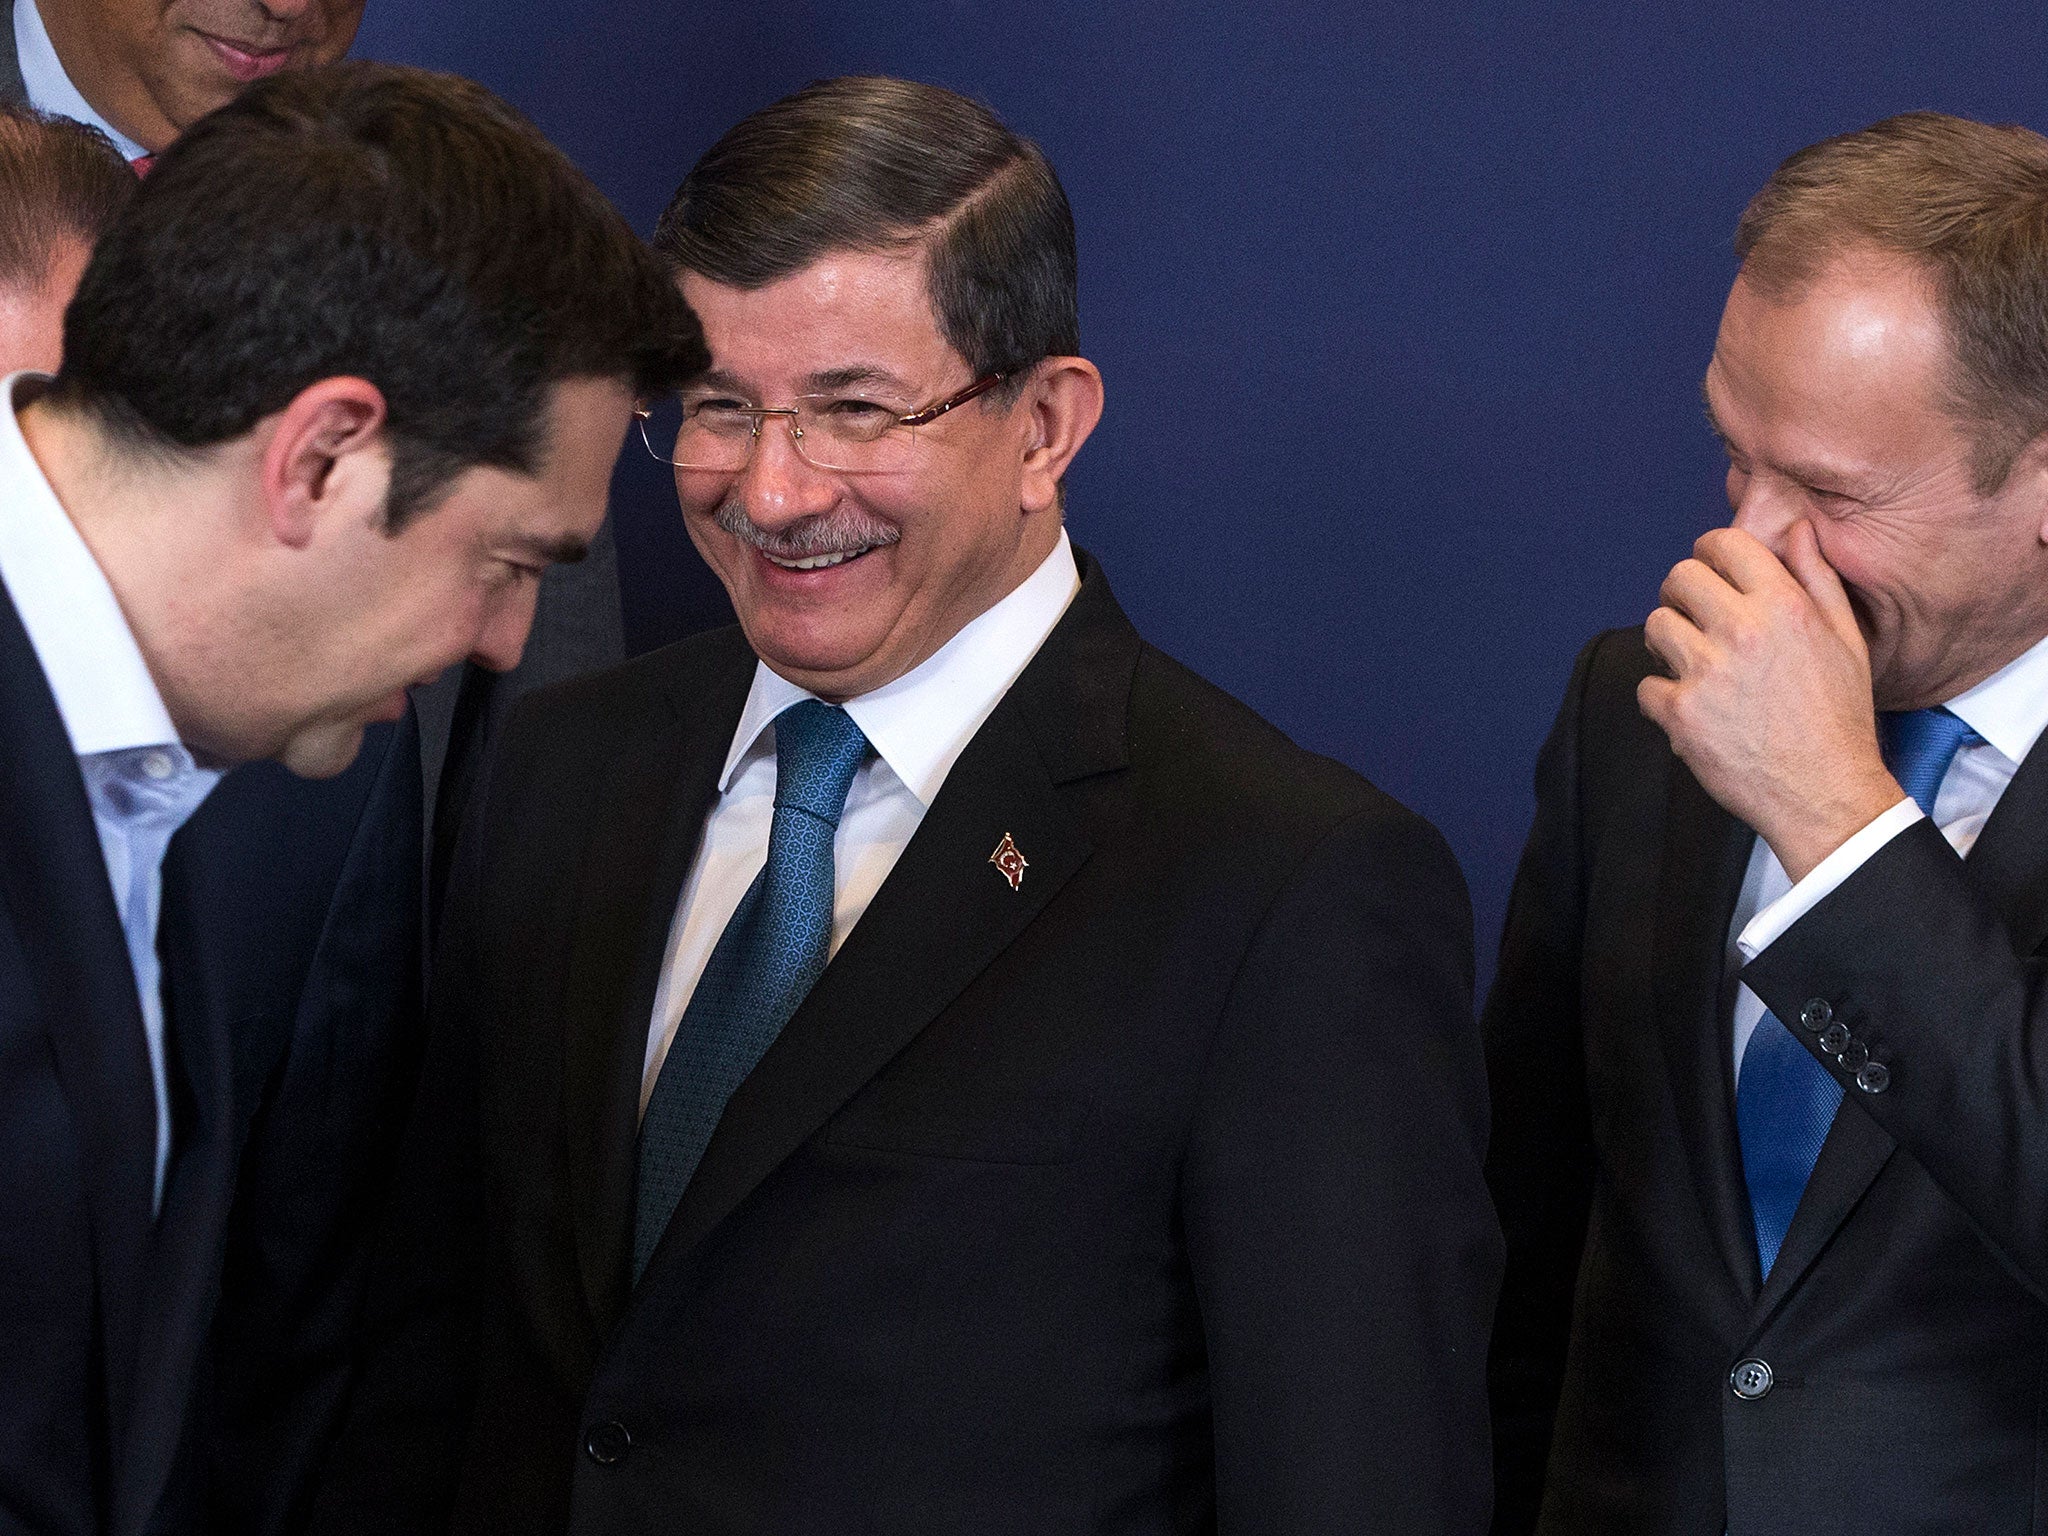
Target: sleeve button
{"type": "Point", "coordinates": [1817, 1015]}
{"type": "Point", "coordinates": [1855, 1055]}
{"type": "Point", "coordinates": [608, 1443]}
{"type": "Point", "coordinates": [1873, 1077]}
{"type": "Point", "coordinates": [1835, 1039]}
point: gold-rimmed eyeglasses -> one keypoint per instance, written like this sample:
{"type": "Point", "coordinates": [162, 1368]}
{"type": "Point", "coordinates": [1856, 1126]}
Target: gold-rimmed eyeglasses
{"type": "Point", "coordinates": [712, 431]}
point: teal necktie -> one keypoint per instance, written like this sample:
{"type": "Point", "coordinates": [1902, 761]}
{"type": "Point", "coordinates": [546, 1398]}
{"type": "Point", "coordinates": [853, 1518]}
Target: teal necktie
{"type": "Point", "coordinates": [772, 951]}
{"type": "Point", "coordinates": [1786, 1100]}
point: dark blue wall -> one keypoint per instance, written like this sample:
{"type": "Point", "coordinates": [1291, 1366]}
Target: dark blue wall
{"type": "Point", "coordinates": [1402, 310]}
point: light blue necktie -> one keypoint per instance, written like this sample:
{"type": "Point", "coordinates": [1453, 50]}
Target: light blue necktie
{"type": "Point", "coordinates": [1785, 1100]}
{"type": "Point", "coordinates": [772, 951]}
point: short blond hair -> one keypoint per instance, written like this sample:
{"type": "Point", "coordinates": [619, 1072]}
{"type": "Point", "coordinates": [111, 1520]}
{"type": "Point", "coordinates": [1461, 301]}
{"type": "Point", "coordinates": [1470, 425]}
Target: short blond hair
{"type": "Point", "coordinates": [59, 181]}
{"type": "Point", "coordinates": [1967, 203]}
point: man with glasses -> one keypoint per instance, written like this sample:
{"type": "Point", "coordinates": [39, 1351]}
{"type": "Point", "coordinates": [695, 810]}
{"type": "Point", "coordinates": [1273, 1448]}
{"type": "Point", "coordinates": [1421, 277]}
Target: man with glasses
{"type": "Point", "coordinates": [944, 1067]}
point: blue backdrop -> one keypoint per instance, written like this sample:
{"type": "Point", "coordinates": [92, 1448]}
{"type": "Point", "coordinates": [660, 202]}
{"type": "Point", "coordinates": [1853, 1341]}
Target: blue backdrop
{"type": "Point", "coordinates": [1402, 310]}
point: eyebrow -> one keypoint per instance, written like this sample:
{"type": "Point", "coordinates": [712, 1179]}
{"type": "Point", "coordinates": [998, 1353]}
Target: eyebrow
{"type": "Point", "coordinates": [566, 550]}
{"type": "Point", "coordinates": [1822, 477]}
{"type": "Point", "coordinates": [815, 384]}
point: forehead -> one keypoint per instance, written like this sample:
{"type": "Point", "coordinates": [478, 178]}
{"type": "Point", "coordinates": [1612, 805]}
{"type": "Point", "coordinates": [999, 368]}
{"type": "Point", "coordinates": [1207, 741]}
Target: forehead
{"type": "Point", "coordinates": [1857, 356]}
{"type": "Point", "coordinates": [847, 309]}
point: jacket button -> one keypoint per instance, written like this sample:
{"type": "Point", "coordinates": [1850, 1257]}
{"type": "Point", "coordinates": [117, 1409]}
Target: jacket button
{"type": "Point", "coordinates": [1834, 1039]}
{"type": "Point", "coordinates": [608, 1443]}
{"type": "Point", "coordinates": [1751, 1379]}
{"type": "Point", "coordinates": [1817, 1015]}
{"type": "Point", "coordinates": [1854, 1056]}
{"type": "Point", "coordinates": [1874, 1077]}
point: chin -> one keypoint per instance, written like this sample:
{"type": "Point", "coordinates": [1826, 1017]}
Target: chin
{"type": "Point", "coordinates": [323, 751]}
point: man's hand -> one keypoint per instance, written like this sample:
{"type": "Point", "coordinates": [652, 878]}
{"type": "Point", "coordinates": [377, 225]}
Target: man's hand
{"type": "Point", "coordinates": [1769, 699]}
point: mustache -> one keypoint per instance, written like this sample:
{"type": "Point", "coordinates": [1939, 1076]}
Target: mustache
{"type": "Point", "coordinates": [840, 531]}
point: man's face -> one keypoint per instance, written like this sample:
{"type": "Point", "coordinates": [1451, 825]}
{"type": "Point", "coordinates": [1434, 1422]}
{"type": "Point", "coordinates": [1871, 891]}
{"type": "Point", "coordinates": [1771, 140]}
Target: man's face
{"type": "Point", "coordinates": [928, 547]}
{"type": "Point", "coordinates": [1829, 401]}
{"type": "Point", "coordinates": [377, 612]}
{"type": "Point", "coordinates": [32, 318]}
{"type": "Point", "coordinates": [154, 67]}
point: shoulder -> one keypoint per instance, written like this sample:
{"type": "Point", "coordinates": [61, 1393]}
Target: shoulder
{"type": "Point", "coordinates": [1218, 772]}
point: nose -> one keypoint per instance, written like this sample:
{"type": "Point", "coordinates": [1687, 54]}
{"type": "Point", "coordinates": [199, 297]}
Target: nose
{"type": "Point", "coordinates": [1767, 508]}
{"type": "Point", "coordinates": [778, 486]}
{"type": "Point", "coordinates": [501, 640]}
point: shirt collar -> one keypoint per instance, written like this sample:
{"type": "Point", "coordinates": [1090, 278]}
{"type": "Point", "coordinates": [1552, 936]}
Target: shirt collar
{"type": "Point", "coordinates": [2009, 709]}
{"type": "Point", "coordinates": [48, 84]}
{"type": "Point", "coordinates": [921, 723]}
{"type": "Point", "coordinates": [95, 670]}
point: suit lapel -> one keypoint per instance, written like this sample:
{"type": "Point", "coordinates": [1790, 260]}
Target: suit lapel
{"type": "Point", "coordinates": [1706, 852]}
{"type": "Point", "coordinates": [53, 880]}
{"type": "Point", "coordinates": [184, 1254]}
{"type": "Point", "coordinates": [945, 912]}
{"type": "Point", "coordinates": [648, 817]}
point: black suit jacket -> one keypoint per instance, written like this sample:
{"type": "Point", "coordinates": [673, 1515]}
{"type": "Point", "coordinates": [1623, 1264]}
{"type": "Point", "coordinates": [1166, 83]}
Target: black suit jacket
{"type": "Point", "coordinates": [125, 1403]}
{"type": "Point", "coordinates": [1907, 1393]}
{"type": "Point", "coordinates": [1143, 1198]}
{"type": "Point", "coordinates": [1935, 968]}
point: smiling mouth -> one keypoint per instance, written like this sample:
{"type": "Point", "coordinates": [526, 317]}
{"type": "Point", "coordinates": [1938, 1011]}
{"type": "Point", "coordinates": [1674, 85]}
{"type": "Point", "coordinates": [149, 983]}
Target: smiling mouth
{"type": "Point", "coordinates": [244, 62]}
{"type": "Point", "coordinates": [818, 562]}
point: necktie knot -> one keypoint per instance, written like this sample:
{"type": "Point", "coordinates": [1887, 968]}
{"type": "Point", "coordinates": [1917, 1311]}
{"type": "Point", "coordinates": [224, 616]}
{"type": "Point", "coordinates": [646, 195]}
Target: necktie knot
{"type": "Point", "coordinates": [818, 748]}
{"type": "Point", "coordinates": [1919, 745]}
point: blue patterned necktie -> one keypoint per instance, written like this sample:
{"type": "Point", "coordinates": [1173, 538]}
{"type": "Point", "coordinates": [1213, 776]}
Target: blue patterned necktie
{"type": "Point", "coordinates": [1785, 1100]}
{"type": "Point", "coordinates": [772, 951]}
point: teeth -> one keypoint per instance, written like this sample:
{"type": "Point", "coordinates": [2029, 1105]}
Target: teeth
{"type": "Point", "coordinates": [819, 562]}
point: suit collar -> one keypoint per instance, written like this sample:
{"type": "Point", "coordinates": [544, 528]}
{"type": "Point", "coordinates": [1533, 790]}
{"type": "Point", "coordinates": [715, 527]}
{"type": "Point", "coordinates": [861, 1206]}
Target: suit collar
{"type": "Point", "coordinates": [944, 914]}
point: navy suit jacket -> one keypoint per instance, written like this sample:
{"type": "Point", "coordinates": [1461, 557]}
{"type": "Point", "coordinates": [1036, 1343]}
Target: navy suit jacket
{"type": "Point", "coordinates": [174, 1373]}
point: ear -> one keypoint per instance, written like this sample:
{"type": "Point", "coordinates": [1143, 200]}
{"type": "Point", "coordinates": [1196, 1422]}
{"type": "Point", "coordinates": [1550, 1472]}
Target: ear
{"type": "Point", "coordinates": [325, 454]}
{"type": "Point", "coordinates": [1063, 402]}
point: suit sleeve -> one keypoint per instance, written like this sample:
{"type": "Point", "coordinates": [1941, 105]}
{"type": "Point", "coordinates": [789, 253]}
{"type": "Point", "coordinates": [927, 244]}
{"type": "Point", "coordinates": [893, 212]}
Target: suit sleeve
{"type": "Point", "coordinates": [1343, 1251]}
{"type": "Point", "coordinates": [1540, 1164]}
{"type": "Point", "coordinates": [1911, 960]}
{"type": "Point", "coordinates": [395, 1468]}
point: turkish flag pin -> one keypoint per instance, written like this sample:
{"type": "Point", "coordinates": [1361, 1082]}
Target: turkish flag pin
{"type": "Point", "coordinates": [1010, 860]}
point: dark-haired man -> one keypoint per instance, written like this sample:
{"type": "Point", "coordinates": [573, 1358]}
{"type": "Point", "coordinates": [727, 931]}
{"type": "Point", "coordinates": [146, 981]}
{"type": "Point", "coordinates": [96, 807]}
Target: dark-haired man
{"type": "Point", "coordinates": [228, 535]}
{"type": "Point", "coordinates": [944, 1067]}
{"type": "Point", "coordinates": [1764, 1108]}
{"type": "Point", "coordinates": [60, 185]}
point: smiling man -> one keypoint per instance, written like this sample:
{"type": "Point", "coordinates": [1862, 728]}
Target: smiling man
{"type": "Point", "coordinates": [944, 1067]}
{"type": "Point", "coordinates": [143, 71]}
{"type": "Point", "coordinates": [227, 533]}
{"type": "Point", "coordinates": [1768, 1136]}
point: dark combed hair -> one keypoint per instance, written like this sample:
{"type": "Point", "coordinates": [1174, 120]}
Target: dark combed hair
{"type": "Point", "coordinates": [1966, 203]}
{"type": "Point", "coordinates": [59, 181]}
{"type": "Point", "coordinates": [391, 224]}
{"type": "Point", "coordinates": [868, 163]}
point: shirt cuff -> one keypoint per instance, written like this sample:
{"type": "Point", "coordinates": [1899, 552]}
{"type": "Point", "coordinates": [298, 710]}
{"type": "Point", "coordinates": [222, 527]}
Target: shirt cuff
{"type": "Point", "coordinates": [1769, 924]}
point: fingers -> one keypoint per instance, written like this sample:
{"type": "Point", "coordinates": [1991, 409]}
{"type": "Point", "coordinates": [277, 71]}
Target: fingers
{"type": "Point", "coordinates": [1676, 641]}
{"type": "Point", "coordinates": [1656, 697]}
{"type": "Point", "coordinates": [1743, 560]}
{"type": "Point", "coordinates": [1701, 593]}
{"type": "Point", "coordinates": [1811, 569]}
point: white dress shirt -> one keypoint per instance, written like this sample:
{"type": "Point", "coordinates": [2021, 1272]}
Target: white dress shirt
{"type": "Point", "coordinates": [49, 87]}
{"type": "Point", "coordinates": [140, 780]}
{"type": "Point", "coordinates": [918, 726]}
{"type": "Point", "coordinates": [2009, 709]}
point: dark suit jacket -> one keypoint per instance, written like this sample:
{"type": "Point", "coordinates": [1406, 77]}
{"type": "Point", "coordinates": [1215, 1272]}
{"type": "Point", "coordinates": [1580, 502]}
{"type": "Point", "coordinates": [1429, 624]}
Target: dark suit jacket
{"type": "Point", "coordinates": [1143, 1198]}
{"type": "Point", "coordinates": [1935, 968]}
{"type": "Point", "coordinates": [108, 1311]}
{"type": "Point", "coordinates": [1907, 1391]}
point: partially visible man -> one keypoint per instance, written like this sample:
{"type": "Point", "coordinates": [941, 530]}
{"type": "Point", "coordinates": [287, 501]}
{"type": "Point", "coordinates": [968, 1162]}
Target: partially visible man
{"type": "Point", "coordinates": [313, 439]}
{"type": "Point", "coordinates": [60, 184]}
{"type": "Point", "coordinates": [923, 1060]}
{"type": "Point", "coordinates": [143, 71]}
{"type": "Point", "coordinates": [1775, 1243]}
